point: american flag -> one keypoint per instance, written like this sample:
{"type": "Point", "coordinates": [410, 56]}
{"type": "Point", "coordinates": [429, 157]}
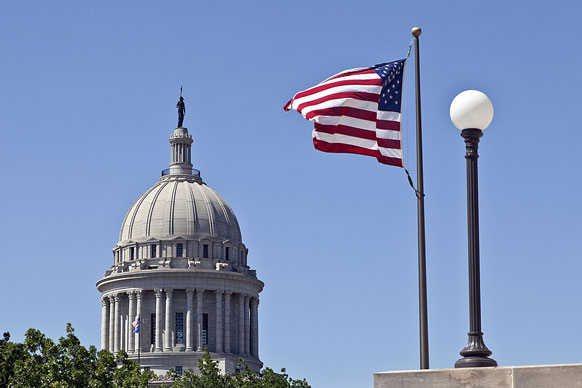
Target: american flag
{"type": "Point", "coordinates": [357, 111]}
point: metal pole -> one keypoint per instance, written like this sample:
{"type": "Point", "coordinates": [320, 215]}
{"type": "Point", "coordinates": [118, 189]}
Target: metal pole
{"type": "Point", "coordinates": [422, 300]}
{"type": "Point", "coordinates": [475, 354]}
{"type": "Point", "coordinates": [139, 347]}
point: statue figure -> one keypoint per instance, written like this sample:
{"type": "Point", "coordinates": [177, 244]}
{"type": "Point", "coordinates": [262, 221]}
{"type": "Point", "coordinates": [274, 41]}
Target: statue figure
{"type": "Point", "coordinates": [181, 110]}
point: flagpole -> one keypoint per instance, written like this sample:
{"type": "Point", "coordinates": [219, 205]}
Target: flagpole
{"type": "Point", "coordinates": [422, 303]}
{"type": "Point", "coordinates": [139, 347]}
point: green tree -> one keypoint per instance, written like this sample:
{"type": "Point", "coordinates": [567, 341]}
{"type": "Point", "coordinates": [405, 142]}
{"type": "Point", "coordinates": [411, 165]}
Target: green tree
{"type": "Point", "coordinates": [10, 354]}
{"type": "Point", "coordinates": [209, 376]}
{"type": "Point", "coordinates": [40, 362]}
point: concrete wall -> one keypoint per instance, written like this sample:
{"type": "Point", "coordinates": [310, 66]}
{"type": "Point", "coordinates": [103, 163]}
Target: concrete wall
{"type": "Point", "coordinates": [537, 376]}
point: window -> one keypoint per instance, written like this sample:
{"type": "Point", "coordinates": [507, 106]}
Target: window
{"type": "Point", "coordinates": [179, 328]}
{"type": "Point", "coordinates": [153, 331]}
{"type": "Point", "coordinates": [179, 250]}
{"type": "Point", "coordinates": [146, 368]}
{"type": "Point", "coordinates": [179, 370]}
{"type": "Point", "coordinates": [242, 257]}
{"type": "Point", "coordinates": [131, 253]}
{"type": "Point", "coordinates": [153, 250]}
{"type": "Point", "coordinates": [204, 329]}
{"type": "Point", "coordinates": [205, 250]}
{"type": "Point", "coordinates": [227, 253]}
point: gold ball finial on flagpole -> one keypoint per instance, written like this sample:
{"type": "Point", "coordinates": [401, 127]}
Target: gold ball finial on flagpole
{"type": "Point", "coordinates": [416, 31]}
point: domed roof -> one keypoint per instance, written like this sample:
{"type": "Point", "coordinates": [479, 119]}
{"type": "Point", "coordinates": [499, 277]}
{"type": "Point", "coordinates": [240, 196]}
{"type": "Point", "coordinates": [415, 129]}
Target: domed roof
{"type": "Point", "coordinates": [180, 207]}
{"type": "Point", "coordinates": [180, 204]}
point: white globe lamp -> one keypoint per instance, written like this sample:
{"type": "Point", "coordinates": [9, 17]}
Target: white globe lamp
{"type": "Point", "coordinates": [471, 109]}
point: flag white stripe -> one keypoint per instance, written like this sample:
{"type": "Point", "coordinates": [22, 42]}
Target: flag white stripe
{"type": "Point", "coordinates": [345, 139]}
{"type": "Point", "coordinates": [346, 120]}
{"type": "Point", "coordinates": [390, 152]}
{"type": "Point", "coordinates": [387, 134]}
{"type": "Point", "coordinates": [388, 115]}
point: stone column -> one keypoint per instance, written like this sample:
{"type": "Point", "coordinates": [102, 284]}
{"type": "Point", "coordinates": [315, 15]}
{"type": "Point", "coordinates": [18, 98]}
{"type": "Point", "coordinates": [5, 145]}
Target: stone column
{"type": "Point", "coordinates": [247, 326]}
{"type": "Point", "coordinates": [189, 308]}
{"type": "Point", "coordinates": [121, 329]}
{"type": "Point", "coordinates": [130, 318]}
{"type": "Point", "coordinates": [123, 335]}
{"type": "Point", "coordinates": [138, 295]}
{"type": "Point", "coordinates": [158, 345]}
{"type": "Point", "coordinates": [111, 322]}
{"type": "Point", "coordinates": [168, 326]}
{"type": "Point", "coordinates": [199, 295]}
{"type": "Point", "coordinates": [227, 322]}
{"type": "Point", "coordinates": [255, 327]}
{"type": "Point", "coordinates": [104, 319]}
{"type": "Point", "coordinates": [219, 326]}
{"type": "Point", "coordinates": [241, 324]}
{"type": "Point", "coordinates": [117, 329]}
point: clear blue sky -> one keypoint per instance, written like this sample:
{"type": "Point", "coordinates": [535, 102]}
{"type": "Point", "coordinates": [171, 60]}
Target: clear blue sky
{"type": "Point", "coordinates": [87, 103]}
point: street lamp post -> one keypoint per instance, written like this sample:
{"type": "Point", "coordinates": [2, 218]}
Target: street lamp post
{"type": "Point", "coordinates": [471, 112]}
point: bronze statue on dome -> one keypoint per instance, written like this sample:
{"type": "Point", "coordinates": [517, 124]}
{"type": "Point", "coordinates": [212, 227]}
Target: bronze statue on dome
{"type": "Point", "coordinates": [181, 109]}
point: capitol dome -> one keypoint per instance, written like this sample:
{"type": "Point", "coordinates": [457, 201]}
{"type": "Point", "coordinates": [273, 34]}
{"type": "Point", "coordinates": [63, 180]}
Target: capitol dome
{"type": "Point", "coordinates": [184, 207]}
{"type": "Point", "coordinates": [180, 283]}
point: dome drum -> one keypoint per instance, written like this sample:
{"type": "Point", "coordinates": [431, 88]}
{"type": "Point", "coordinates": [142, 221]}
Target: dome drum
{"type": "Point", "coordinates": [180, 250]}
{"type": "Point", "coordinates": [180, 263]}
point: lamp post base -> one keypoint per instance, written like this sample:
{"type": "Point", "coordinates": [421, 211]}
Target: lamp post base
{"type": "Point", "coordinates": [475, 362]}
{"type": "Point", "coordinates": [475, 354]}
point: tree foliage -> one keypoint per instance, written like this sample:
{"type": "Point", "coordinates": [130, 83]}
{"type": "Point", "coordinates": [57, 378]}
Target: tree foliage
{"type": "Point", "coordinates": [209, 376]}
{"type": "Point", "coordinates": [40, 362]}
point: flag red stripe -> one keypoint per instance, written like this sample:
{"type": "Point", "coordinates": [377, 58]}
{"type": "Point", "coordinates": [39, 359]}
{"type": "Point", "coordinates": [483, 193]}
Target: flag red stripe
{"type": "Point", "coordinates": [389, 143]}
{"type": "Point", "coordinates": [346, 148]}
{"type": "Point", "coordinates": [345, 130]}
{"type": "Point", "coordinates": [390, 161]}
{"type": "Point", "coordinates": [287, 106]}
{"type": "Point", "coordinates": [341, 148]}
{"type": "Point", "coordinates": [387, 124]}
{"type": "Point", "coordinates": [343, 111]}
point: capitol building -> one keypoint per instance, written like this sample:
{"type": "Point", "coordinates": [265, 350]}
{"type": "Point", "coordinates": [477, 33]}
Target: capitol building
{"type": "Point", "coordinates": [180, 266]}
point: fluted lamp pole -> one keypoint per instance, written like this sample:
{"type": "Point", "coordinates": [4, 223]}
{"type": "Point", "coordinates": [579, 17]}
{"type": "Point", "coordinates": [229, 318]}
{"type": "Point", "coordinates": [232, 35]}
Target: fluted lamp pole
{"type": "Point", "coordinates": [471, 112]}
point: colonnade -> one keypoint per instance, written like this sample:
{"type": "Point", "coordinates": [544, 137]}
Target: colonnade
{"type": "Point", "coordinates": [120, 309]}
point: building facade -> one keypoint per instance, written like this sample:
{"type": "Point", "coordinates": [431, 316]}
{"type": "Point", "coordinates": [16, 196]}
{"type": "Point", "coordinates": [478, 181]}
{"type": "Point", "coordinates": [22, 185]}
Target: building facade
{"type": "Point", "coordinates": [180, 266]}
